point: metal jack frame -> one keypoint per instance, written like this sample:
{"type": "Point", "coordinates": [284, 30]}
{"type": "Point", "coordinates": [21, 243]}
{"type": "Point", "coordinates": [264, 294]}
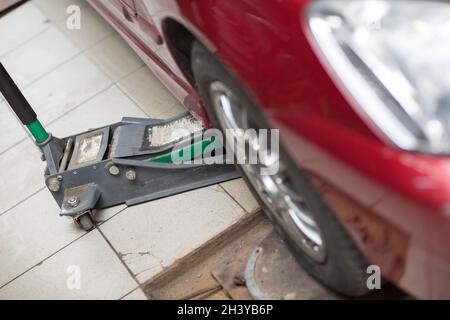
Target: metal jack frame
{"type": "Point", "coordinates": [129, 162]}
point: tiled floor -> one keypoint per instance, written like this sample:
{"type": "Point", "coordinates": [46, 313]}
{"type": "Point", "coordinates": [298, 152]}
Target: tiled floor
{"type": "Point", "coordinates": [78, 80]}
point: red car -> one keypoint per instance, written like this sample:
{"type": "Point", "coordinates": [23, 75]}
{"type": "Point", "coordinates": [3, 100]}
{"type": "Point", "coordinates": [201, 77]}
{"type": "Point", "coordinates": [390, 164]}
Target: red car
{"type": "Point", "coordinates": [360, 91]}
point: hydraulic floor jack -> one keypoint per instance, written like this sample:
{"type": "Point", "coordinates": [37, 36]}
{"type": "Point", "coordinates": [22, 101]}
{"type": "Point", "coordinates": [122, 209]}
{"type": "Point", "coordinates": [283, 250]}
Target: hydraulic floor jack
{"type": "Point", "coordinates": [133, 161]}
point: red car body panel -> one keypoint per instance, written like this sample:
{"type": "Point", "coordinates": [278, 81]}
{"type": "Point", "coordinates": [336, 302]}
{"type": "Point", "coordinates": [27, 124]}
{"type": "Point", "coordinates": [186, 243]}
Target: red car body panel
{"type": "Point", "coordinates": [395, 204]}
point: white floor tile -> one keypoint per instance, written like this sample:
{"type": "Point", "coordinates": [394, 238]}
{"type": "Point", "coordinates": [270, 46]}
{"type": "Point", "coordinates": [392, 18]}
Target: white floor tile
{"type": "Point", "coordinates": [31, 232]}
{"type": "Point", "coordinates": [150, 94]}
{"type": "Point", "coordinates": [25, 168]}
{"type": "Point", "coordinates": [93, 29]}
{"type": "Point", "coordinates": [102, 275]}
{"type": "Point", "coordinates": [152, 236]}
{"type": "Point", "coordinates": [7, 4]}
{"type": "Point", "coordinates": [240, 192]}
{"type": "Point", "coordinates": [56, 10]}
{"type": "Point", "coordinates": [11, 126]}
{"type": "Point", "coordinates": [137, 294]}
{"type": "Point", "coordinates": [22, 174]}
{"type": "Point", "coordinates": [103, 215]}
{"type": "Point", "coordinates": [78, 94]}
{"type": "Point", "coordinates": [115, 57]}
{"type": "Point", "coordinates": [66, 87]}
{"type": "Point", "coordinates": [21, 25]}
{"type": "Point", "coordinates": [38, 56]}
{"type": "Point", "coordinates": [108, 107]}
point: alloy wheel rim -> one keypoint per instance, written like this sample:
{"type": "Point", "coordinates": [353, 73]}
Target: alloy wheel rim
{"type": "Point", "coordinates": [277, 190]}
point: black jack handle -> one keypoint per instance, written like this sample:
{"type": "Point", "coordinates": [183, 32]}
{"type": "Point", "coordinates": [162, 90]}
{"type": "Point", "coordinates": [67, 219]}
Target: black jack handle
{"type": "Point", "coordinates": [20, 106]}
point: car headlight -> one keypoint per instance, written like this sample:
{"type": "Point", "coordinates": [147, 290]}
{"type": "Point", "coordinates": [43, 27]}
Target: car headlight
{"type": "Point", "coordinates": [393, 57]}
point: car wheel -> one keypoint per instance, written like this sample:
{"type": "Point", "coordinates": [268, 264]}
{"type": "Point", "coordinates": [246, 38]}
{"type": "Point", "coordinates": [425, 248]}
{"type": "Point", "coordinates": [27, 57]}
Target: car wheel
{"type": "Point", "coordinates": [299, 214]}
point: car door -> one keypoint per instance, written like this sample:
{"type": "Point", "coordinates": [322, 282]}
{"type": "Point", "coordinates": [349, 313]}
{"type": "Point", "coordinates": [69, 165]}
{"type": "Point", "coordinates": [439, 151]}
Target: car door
{"type": "Point", "coordinates": [125, 7]}
{"type": "Point", "coordinates": [146, 23]}
{"type": "Point", "coordinates": [129, 5]}
{"type": "Point", "coordinates": [136, 21]}
{"type": "Point", "coordinates": [171, 74]}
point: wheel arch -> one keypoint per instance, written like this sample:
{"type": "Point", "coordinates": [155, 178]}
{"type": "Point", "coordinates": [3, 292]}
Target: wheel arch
{"type": "Point", "coordinates": [180, 38]}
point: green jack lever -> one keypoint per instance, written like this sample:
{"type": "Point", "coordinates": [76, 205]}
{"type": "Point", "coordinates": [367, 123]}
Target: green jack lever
{"type": "Point", "coordinates": [52, 148]}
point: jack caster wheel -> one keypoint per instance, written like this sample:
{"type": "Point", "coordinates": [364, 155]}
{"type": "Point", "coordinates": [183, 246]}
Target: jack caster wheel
{"type": "Point", "coordinates": [85, 221]}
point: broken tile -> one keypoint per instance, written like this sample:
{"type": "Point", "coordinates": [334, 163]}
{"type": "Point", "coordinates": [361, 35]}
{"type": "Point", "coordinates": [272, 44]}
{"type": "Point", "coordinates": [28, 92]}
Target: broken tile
{"type": "Point", "coordinates": [154, 235]}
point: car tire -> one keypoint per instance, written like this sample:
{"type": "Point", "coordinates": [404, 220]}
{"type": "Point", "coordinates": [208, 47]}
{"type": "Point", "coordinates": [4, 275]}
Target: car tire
{"type": "Point", "coordinates": [344, 268]}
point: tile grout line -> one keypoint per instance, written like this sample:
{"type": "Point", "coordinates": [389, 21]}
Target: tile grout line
{"type": "Point", "coordinates": [55, 21]}
{"type": "Point", "coordinates": [79, 53]}
{"type": "Point", "coordinates": [104, 237]}
{"type": "Point", "coordinates": [20, 45]}
{"type": "Point", "coordinates": [118, 256]}
{"type": "Point", "coordinates": [134, 100]}
{"type": "Point", "coordinates": [113, 83]}
{"type": "Point", "coordinates": [84, 52]}
{"type": "Point", "coordinates": [50, 21]}
{"type": "Point", "coordinates": [127, 294]}
{"type": "Point", "coordinates": [37, 35]}
{"type": "Point", "coordinates": [61, 116]}
{"type": "Point", "coordinates": [34, 82]}
{"type": "Point", "coordinates": [102, 222]}
{"type": "Point", "coordinates": [86, 55]}
{"type": "Point", "coordinates": [28, 85]}
{"type": "Point", "coordinates": [233, 198]}
{"type": "Point", "coordinates": [69, 111]}
{"type": "Point", "coordinates": [15, 145]}
{"type": "Point", "coordinates": [44, 260]}
{"type": "Point", "coordinates": [44, 188]}
{"type": "Point", "coordinates": [142, 66]}
{"type": "Point", "coordinates": [26, 41]}
{"type": "Point", "coordinates": [65, 246]}
{"type": "Point", "coordinates": [59, 65]}
{"type": "Point", "coordinates": [126, 93]}
{"type": "Point", "coordinates": [22, 201]}
{"type": "Point", "coordinates": [56, 67]}
{"type": "Point", "coordinates": [25, 139]}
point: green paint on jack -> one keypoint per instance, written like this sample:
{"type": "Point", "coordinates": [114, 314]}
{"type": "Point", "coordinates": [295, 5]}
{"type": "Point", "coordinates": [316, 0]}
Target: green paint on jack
{"type": "Point", "coordinates": [38, 131]}
{"type": "Point", "coordinates": [190, 152]}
